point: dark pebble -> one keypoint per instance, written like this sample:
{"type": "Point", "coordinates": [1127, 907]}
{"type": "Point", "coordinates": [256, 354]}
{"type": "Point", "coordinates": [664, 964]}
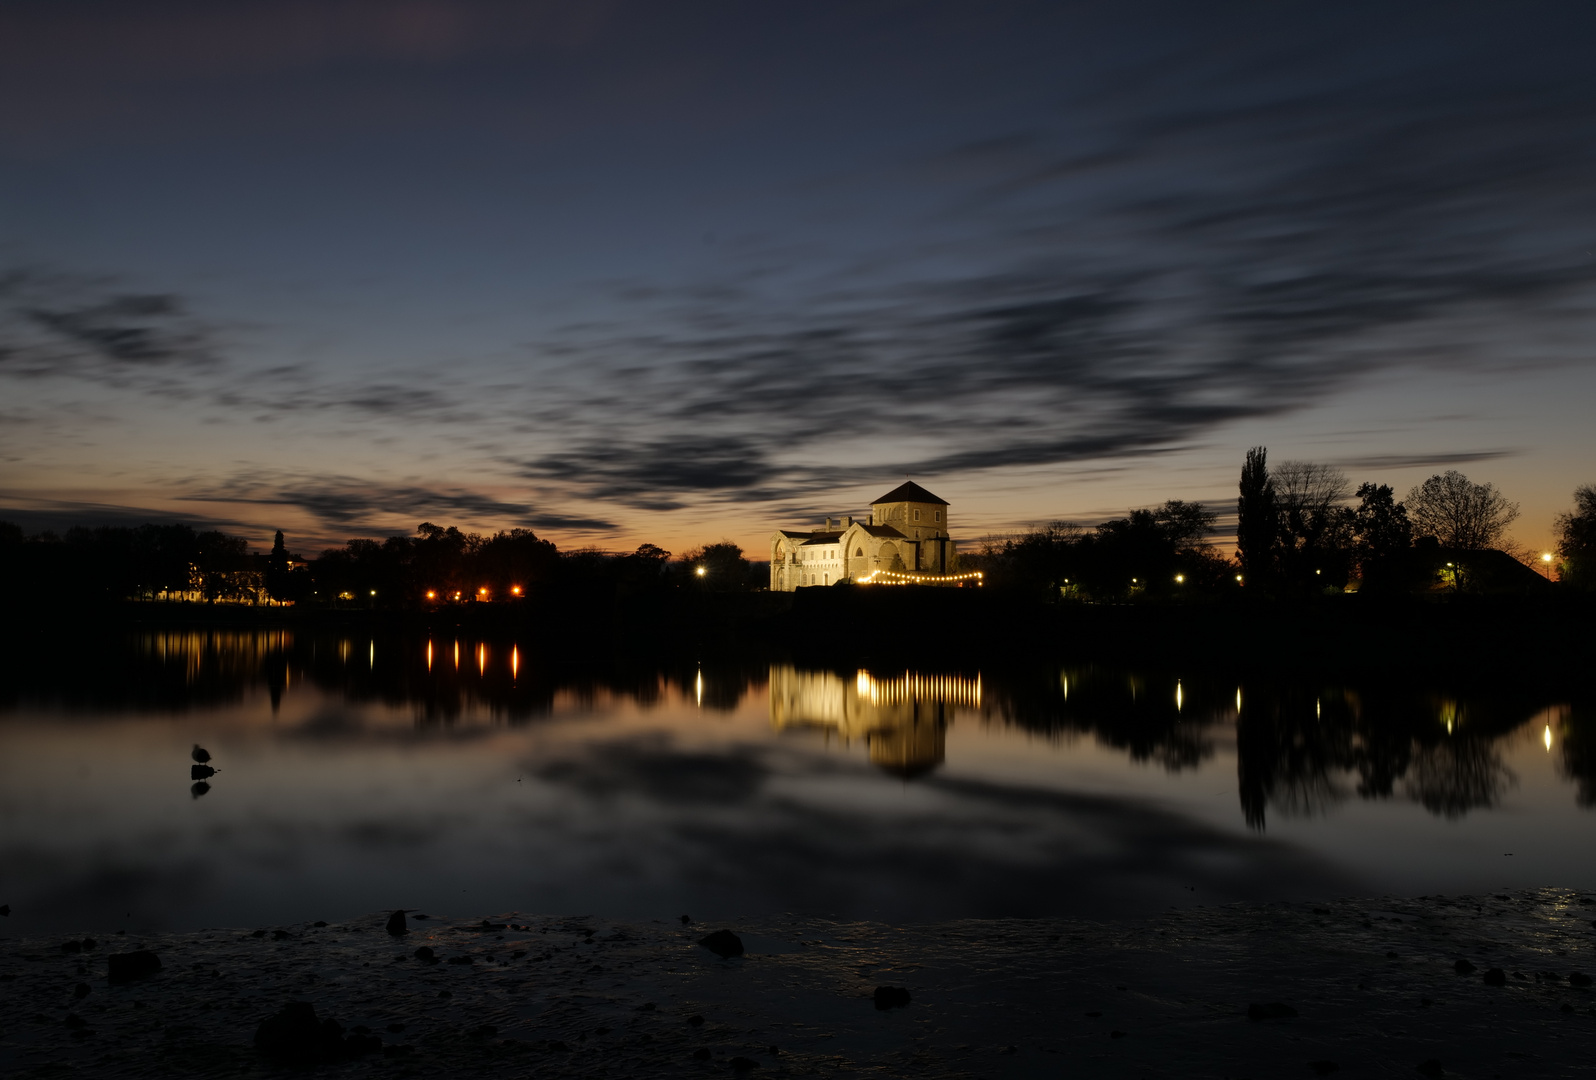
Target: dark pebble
{"type": "Point", "coordinates": [89, 943]}
{"type": "Point", "coordinates": [1578, 978]}
{"type": "Point", "coordinates": [647, 1006]}
{"type": "Point", "coordinates": [483, 1031]}
{"type": "Point", "coordinates": [425, 955]}
{"type": "Point", "coordinates": [72, 946]}
{"type": "Point", "coordinates": [444, 993]}
{"type": "Point", "coordinates": [81, 991]}
{"type": "Point", "coordinates": [200, 772]}
{"type": "Point", "coordinates": [1010, 1051]}
{"type": "Point", "coordinates": [742, 1064]}
{"type": "Point", "coordinates": [396, 924]}
{"type": "Point", "coordinates": [1495, 977]}
{"type": "Point", "coordinates": [281, 935]}
{"type": "Point", "coordinates": [121, 967]}
{"type": "Point", "coordinates": [1463, 967]}
{"type": "Point", "coordinates": [723, 943]}
{"type": "Point", "coordinates": [1272, 1010]}
{"type": "Point", "coordinates": [74, 1021]}
{"type": "Point", "coordinates": [1430, 1068]}
{"type": "Point", "coordinates": [687, 920]}
{"type": "Point", "coordinates": [295, 1035]}
{"type": "Point", "coordinates": [1323, 1068]}
{"type": "Point", "coordinates": [258, 933]}
{"type": "Point", "coordinates": [701, 1054]}
{"type": "Point", "coordinates": [461, 960]}
{"type": "Point", "coordinates": [695, 1020]}
{"type": "Point", "coordinates": [1567, 1007]}
{"type": "Point", "coordinates": [420, 916]}
{"type": "Point", "coordinates": [891, 997]}
{"type": "Point", "coordinates": [394, 1029]}
{"type": "Point", "coordinates": [1391, 956]}
{"type": "Point", "coordinates": [518, 954]}
{"type": "Point", "coordinates": [1116, 1034]}
{"type": "Point", "coordinates": [319, 922]}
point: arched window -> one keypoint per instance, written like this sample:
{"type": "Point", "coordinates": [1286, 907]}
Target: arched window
{"type": "Point", "coordinates": [858, 553]}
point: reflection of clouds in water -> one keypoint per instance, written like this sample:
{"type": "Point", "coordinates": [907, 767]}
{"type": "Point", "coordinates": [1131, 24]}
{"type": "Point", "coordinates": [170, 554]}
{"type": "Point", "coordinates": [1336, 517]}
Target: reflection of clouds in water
{"type": "Point", "coordinates": [650, 767]}
{"type": "Point", "coordinates": [810, 833]}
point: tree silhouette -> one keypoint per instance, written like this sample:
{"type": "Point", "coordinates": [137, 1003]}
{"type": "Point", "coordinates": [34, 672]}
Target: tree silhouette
{"type": "Point", "coordinates": [1460, 513]}
{"type": "Point", "coordinates": [1257, 517]}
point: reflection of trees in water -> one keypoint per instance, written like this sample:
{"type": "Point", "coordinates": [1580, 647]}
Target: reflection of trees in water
{"type": "Point", "coordinates": [1577, 756]}
{"type": "Point", "coordinates": [1297, 743]}
{"type": "Point", "coordinates": [1150, 718]}
{"type": "Point", "coordinates": [440, 679]}
{"type": "Point", "coordinates": [1441, 753]}
{"type": "Point", "coordinates": [1457, 775]}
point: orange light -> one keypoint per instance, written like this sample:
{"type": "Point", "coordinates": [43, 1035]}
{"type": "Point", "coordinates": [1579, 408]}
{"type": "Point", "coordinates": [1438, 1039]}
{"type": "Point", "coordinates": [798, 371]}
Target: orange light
{"type": "Point", "coordinates": [516, 589]}
{"type": "Point", "coordinates": [431, 595]}
{"type": "Point", "coordinates": [482, 592]}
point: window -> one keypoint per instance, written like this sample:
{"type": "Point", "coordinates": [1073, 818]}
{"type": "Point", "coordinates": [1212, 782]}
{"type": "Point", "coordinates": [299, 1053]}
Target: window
{"type": "Point", "coordinates": [936, 515]}
{"type": "Point", "coordinates": [858, 553]}
{"type": "Point", "coordinates": [917, 515]}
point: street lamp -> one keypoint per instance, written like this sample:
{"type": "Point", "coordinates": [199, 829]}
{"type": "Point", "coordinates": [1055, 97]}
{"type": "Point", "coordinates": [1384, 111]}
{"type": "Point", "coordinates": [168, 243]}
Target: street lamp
{"type": "Point", "coordinates": [1546, 562]}
{"type": "Point", "coordinates": [700, 571]}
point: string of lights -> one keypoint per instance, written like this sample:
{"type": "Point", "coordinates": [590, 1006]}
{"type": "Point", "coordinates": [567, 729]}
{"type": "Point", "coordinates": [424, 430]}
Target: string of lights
{"type": "Point", "coordinates": [894, 577]}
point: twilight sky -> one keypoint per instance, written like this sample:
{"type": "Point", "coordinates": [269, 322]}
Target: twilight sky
{"type": "Point", "coordinates": [672, 272]}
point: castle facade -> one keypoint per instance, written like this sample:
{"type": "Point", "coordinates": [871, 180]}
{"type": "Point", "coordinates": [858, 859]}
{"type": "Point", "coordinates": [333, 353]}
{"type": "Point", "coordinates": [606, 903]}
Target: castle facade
{"type": "Point", "coordinates": [905, 538]}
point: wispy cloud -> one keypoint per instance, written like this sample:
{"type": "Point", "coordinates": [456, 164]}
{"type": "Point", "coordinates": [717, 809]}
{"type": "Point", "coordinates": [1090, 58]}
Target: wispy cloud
{"type": "Point", "coordinates": [354, 501]}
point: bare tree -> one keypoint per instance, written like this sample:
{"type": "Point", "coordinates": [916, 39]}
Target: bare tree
{"type": "Point", "coordinates": [1308, 489]}
{"type": "Point", "coordinates": [1460, 513]}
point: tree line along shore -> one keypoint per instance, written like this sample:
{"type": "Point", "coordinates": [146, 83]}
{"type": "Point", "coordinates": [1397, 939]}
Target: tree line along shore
{"type": "Point", "coordinates": [1303, 533]}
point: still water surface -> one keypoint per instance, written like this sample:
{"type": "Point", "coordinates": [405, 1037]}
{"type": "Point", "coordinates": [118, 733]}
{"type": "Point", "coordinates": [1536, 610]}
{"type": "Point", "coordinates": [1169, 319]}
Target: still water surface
{"type": "Point", "coordinates": [465, 777]}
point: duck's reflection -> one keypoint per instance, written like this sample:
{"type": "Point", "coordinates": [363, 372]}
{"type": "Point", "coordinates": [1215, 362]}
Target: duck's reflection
{"type": "Point", "coordinates": [903, 719]}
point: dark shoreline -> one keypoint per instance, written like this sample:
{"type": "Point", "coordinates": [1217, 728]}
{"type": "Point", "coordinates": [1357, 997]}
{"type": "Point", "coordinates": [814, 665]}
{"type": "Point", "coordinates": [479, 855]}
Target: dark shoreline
{"type": "Point", "coordinates": [1542, 641]}
{"type": "Point", "coordinates": [1492, 985]}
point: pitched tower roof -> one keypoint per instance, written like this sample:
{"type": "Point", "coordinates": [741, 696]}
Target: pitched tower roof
{"type": "Point", "coordinates": [909, 491]}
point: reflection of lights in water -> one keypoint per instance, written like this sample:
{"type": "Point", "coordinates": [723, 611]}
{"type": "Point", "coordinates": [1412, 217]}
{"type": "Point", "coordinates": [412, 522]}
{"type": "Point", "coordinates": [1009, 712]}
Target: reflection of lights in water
{"type": "Point", "coordinates": [457, 656]}
{"type": "Point", "coordinates": [1546, 737]}
{"type": "Point", "coordinates": [1450, 715]}
{"type": "Point", "coordinates": [1179, 698]}
{"type": "Point", "coordinates": [1318, 709]}
{"type": "Point", "coordinates": [515, 661]}
{"type": "Point", "coordinates": [1238, 699]}
{"type": "Point", "coordinates": [698, 689]}
{"type": "Point", "coordinates": [953, 689]}
{"type": "Point", "coordinates": [429, 654]}
{"type": "Point", "coordinates": [371, 656]}
{"type": "Point", "coordinates": [482, 659]}
{"type": "Point", "coordinates": [1065, 679]}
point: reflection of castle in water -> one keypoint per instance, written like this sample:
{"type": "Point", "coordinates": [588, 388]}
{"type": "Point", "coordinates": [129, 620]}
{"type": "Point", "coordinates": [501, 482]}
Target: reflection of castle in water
{"type": "Point", "coordinates": [903, 719]}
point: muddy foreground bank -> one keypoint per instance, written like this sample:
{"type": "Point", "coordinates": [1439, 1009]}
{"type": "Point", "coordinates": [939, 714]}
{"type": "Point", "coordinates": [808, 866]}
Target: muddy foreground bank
{"type": "Point", "coordinates": [1351, 988]}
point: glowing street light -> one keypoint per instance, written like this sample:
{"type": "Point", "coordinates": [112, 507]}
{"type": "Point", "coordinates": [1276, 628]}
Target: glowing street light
{"type": "Point", "coordinates": [1546, 564]}
{"type": "Point", "coordinates": [515, 590]}
{"type": "Point", "coordinates": [431, 595]}
{"type": "Point", "coordinates": [1180, 579]}
{"type": "Point", "coordinates": [700, 571]}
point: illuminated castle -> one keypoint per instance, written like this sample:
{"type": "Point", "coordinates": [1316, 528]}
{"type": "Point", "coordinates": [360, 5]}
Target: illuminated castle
{"type": "Point", "coordinates": [906, 539]}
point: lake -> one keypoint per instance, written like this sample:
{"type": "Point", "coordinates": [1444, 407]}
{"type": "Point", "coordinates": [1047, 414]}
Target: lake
{"type": "Point", "coordinates": [463, 776]}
